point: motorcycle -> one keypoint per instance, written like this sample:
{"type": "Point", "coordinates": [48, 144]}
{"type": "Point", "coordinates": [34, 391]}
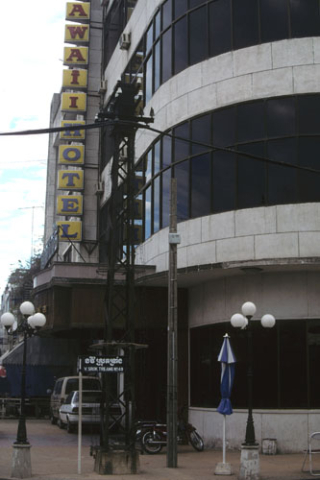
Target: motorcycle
{"type": "Point", "coordinates": [155, 437]}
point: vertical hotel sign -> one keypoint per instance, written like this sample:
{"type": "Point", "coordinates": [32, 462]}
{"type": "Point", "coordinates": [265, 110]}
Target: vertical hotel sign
{"type": "Point", "coordinates": [71, 157]}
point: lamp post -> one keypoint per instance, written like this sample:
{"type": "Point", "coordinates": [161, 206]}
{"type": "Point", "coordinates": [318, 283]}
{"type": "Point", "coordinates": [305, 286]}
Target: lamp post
{"type": "Point", "coordinates": [28, 327]}
{"type": "Point", "coordinates": [249, 465]}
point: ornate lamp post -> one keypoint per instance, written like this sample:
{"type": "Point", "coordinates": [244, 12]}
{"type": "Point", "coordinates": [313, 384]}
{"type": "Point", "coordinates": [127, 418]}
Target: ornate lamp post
{"type": "Point", "coordinates": [28, 327]}
{"type": "Point", "coordinates": [249, 468]}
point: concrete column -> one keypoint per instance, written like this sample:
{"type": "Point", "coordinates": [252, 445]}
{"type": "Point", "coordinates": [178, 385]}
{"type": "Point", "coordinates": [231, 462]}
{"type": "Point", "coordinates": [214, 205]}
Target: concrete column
{"type": "Point", "coordinates": [249, 462]}
{"type": "Point", "coordinates": [21, 461]}
{"type": "Point", "coordinates": [117, 462]}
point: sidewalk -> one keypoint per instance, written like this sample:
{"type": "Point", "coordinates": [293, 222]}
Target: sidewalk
{"type": "Point", "coordinates": [54, 456]}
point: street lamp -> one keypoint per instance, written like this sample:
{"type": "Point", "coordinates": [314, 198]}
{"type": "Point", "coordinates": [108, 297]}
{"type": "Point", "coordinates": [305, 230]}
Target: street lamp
{"type": "Point", "coordinates": [29, 326]}
{"type": "Point", "coordinates": [243, 321]}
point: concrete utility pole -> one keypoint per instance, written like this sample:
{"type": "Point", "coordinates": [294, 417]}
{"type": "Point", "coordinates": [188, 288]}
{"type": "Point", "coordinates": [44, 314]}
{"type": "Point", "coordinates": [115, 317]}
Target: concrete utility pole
{"type": "Point", "coordinates": [172, 355]}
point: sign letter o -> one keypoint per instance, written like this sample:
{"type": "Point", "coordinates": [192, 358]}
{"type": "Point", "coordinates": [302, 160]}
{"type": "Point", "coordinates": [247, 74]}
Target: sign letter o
{"type": "Point", "coordinates": [71, 154]}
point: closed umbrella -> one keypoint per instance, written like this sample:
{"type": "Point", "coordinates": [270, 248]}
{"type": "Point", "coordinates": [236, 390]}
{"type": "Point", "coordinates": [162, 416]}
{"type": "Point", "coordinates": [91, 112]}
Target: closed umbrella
{"type": "Point", "coordinates": [227, 359]}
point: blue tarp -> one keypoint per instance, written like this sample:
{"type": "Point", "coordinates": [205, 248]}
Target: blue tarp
{"type": "Point", "coordinates": [38, 380]}
{"type": "Point", "coordinates": [47, 359]}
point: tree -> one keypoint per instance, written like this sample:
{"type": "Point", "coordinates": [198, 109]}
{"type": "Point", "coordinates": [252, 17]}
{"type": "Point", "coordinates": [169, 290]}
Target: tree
{"type": "Point", "coordinates": [21, 280]}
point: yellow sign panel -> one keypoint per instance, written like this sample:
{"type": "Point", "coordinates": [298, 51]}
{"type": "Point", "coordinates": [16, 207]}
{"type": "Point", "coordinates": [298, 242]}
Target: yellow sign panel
{"type": "Point", "coordinates": [71, 155]}
{"type": "Point", "coordinates": [75, 56]}
{"type": "Point", "coordinates": [73, 131]}
{"type": "Point", "coordinates": [74, 102]}
{"type": "Point", "coordinates": [78, 12]}
{"type": "Point", "coordinates": [76, 34]}
{"type": "Point", "coordinates": [69, 205]}
{"type": "Point", "coordinates": [70, 231]}
{"type": "Point", "coordinates": [75, 78]}
{"type": "Point", "coordinates": [70, 179]}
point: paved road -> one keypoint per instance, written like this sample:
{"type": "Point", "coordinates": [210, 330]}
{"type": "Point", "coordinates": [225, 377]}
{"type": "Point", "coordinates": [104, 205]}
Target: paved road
{"type": "Point", "coordinates": [54, 456]}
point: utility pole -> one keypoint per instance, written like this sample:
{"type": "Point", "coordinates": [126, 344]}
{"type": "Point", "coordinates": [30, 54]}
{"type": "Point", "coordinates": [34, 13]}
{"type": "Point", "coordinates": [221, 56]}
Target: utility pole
{"type": "Point", "coordinates": [119, 332]}
{"type": "Point", "coordinates": [32, 226]}
{"type": "Point", "coordinates": [172, 354]}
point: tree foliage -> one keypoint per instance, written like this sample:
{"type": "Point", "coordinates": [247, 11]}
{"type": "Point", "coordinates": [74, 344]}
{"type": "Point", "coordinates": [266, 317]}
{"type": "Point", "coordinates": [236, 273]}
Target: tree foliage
{"type": "Point", "coordinates": [21, 279]}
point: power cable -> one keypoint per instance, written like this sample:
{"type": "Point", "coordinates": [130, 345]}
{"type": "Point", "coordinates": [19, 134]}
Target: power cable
{"type": "Point", "coordinates": [136, 123]}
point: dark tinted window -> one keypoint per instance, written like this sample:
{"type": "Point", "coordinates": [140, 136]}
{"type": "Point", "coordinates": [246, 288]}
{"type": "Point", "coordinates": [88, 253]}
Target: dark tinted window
{"type": "Point", "coordinates": [182, 174]}
{"type": "Point", "coordinates": [224, 127]}
{"type": "Point", "coordinates": [180, 45]}
{"type": "Point", "coordinates": [244, 151]}
{"type": "Point", "coordinates": [282, 181]}
{"type": "Point", "coordinates": [314, 362]}
{"type": "Point", "coordinates": [201, 132]}
{"type": "Point", "coordinates": [72, 384]}
{"type": "Point", "coordinates": [201, 185]}
{"type": "Point", "coordinates": [224, 181]}
{"type": "Point", "coordinates": [180, 7]}
{"type": "Point", "coordinates": [251, 122]}
{"type": "Point", "coordinates": [157, 28]}
{"type": "Point", "coordinates": [290, 355]}
{"type": "Point", "coordinates": [198, 34]}
{"type": "Point", "coordinates": [195, 3]}
{"type": "Point", "coordinates": [274, 20]}
{"type": "Point", "coordinates": [181, 148]}
{"type": "Point", "coordinates": [166, 56]}
{"type": "Point", "coordinates": [281, 117]}
{"type": "Point", "coordinates": [251, 177]}
{"type": "Point", "coordinates": [69, 398]}
{"type": "Point", "coordinates": [166, 14]}
{"type": "Point", "coordinates": [166, 189]}
{"type": "Point", "coordinates": [148, 80]}
{"type": "Point", "coordinates": [309, 156]}
{"type": "Point", "coordinates": [220, 27]}
{"type": "Point", "coordinates": [245, 23]}
{"type": "Point", "coordinates": [91, 384]}
{"type": "Point", "coordinates": [166, 151]}
{"type": "Point", "coordinates": [156, 205]}
{"type": "Point", "coordinates": [156, 71]}
{"type": "Point", "coordinates": [304, 18]}
{"type": "Point", "coordinates": [309, 118]}
{"type": "Point", "coordinates": [58, 387]}
{"type": "Point", "coordinates": [91, 397]}
{"type": "Point", "coordinates": [293, 364]}
{"type": "Point", "coordinates": [149, 38]}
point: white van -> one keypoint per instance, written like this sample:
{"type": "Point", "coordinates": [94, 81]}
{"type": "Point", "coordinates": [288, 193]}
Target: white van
{"type": "Point", "coordinates": [65, 385]}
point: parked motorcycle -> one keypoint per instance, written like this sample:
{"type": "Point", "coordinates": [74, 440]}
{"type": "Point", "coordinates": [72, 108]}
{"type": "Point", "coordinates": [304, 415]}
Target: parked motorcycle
{"type": "Point", "coordinates": [155, 437]}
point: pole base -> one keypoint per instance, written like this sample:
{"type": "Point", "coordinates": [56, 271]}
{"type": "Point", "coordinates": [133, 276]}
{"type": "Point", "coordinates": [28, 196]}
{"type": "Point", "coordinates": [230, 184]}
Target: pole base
{"type": "Point", "coordinates": [21, 461]}
{"type": "Point", "coordinates": [117, 462]}
{"type": "Point", "coordinates": [223, 469]}
{"type": "Point", "coordinates": [249, 462]}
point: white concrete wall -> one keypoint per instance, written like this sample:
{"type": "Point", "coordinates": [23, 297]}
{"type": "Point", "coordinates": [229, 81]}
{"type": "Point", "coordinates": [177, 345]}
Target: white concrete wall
{"type": "Point", "coordinates": [286, 295]}
{"type": "Point", "coordinates": [291, 428]}
{"type": "Point", "coordinates": [257, 234]}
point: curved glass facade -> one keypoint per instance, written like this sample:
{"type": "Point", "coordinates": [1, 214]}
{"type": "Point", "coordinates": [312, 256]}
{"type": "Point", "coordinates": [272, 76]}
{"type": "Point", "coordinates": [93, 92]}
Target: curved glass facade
{"type": "Point", "coordinates": [185, 32]}
{"type": "Point", "coordinates": [239, 174]}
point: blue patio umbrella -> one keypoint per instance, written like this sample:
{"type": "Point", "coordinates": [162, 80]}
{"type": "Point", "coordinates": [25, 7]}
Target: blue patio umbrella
{"type": "Point", "coordinates": [227, 359]}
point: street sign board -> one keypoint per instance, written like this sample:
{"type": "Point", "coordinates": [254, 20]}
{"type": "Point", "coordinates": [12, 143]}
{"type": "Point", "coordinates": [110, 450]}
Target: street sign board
{"type": "Point", "coordinates": [97, 364]}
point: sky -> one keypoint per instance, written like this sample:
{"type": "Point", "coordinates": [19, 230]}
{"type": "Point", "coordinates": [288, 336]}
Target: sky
{"type": "Point", "coordinates": [32, 41]}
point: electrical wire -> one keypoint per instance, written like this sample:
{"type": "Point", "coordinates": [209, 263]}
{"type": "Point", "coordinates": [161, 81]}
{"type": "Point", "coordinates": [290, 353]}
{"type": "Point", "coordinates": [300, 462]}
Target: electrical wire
{"type": "Point", "coordinates": [137, 124]}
